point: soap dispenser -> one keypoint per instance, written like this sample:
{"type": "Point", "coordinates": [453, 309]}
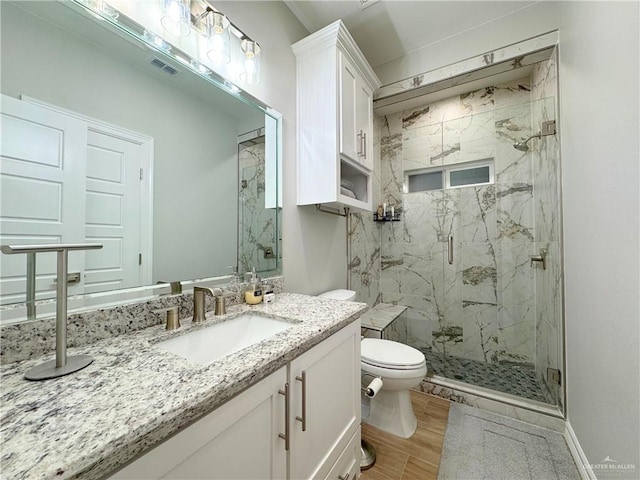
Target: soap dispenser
{"type": "Point", "coordinates": [253, 293]}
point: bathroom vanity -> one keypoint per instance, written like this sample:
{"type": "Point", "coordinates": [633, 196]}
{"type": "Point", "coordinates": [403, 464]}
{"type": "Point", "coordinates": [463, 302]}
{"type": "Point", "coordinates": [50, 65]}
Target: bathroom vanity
{"type": "Point", "coordinates": [286, 407]}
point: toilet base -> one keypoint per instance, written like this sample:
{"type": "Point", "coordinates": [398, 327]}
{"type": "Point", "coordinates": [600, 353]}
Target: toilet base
{"type": "Point", "coordinates": [392, 412]}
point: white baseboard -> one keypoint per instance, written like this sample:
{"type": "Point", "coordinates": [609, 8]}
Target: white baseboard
{"type": "Point", "coordinates": [582, 462]}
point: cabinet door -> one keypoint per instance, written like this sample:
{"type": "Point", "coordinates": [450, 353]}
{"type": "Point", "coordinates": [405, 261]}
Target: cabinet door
{"type": "Point", "coordinates": [364, 123]}
{"type": "Point", "coordinates": [240, 439]}
{"type": "Point", "coordinates": [331, 403]}
{"type": "Point", "coordinates": [348, 80]}
{"type": "Point", "coordinates": [348, 465]}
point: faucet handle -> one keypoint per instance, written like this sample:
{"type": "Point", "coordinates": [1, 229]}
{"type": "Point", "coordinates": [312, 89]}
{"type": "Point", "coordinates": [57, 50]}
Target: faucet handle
{"type": "Point", "coordinates": [221, 303]}
{"type": "Point", "coordinates": [173, 320]}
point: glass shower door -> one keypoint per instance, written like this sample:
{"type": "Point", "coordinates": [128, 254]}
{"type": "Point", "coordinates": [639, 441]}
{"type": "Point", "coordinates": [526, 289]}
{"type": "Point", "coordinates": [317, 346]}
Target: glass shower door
{"type": "Point", "coordinates": [420, 255]}
{"type": "Point", "coordinates": [545, 157]}
{"type": "Point", "coordinates": [469, 263]}
{"type": "Point", "coordinates": [499, 312]}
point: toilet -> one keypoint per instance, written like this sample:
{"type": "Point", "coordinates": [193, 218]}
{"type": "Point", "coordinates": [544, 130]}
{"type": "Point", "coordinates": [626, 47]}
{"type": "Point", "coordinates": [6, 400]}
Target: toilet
{"type": "Point", "coordinates": [400, 367]}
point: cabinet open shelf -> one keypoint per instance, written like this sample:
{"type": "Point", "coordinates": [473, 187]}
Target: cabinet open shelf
{"type": "Point", "coordinates": [354, 181]}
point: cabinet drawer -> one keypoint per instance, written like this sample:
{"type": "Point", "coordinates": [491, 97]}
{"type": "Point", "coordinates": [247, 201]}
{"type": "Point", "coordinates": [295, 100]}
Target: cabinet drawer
{"type": "Point", "coordinates": [347, 467]}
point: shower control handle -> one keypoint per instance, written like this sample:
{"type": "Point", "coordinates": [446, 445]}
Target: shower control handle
{"type": "Point", "coordinates": [542, 258]}
{"type": "Point", "coordinates": [450, 249]}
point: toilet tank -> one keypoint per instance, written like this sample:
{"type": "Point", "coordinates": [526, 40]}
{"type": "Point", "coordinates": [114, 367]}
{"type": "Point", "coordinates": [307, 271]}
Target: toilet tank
{"type": "Point", "coordinates": [340, 294]}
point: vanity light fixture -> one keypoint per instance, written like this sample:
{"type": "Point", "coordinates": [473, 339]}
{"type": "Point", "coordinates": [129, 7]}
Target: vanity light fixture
{"type": "Point", "coordinates": [231, 87]}
{"type": "Point", "coordinates": [225, 51]}
{"type": "Point", "coordinates": [250, 73]}
{"type": "Point", "coordinates": [216, 28]}
{"type": "Point", "coordinates": [156, 41]}
{"type": "Point", "coordinates": [176, 17]}
{"type": "Point", "coordinates": [102, 8]}
{"type": "Point", "coordinates": [198, 67]}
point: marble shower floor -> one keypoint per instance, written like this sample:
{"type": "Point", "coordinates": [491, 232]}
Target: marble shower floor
{"type": "Point", "coordinates": [513, 379]}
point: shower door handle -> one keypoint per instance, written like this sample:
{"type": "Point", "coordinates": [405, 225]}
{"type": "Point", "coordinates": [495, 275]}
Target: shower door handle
{"type": "Point", "coordinates": [450, 249]}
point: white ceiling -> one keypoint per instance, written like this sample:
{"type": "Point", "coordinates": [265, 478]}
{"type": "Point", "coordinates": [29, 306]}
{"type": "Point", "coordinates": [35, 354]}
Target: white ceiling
{"type": "Point", "coordinates": [389, 29]}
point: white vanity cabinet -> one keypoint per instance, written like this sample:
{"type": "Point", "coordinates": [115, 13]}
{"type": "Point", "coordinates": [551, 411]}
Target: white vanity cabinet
{"type": "Point", "coordinates": [326, 404]}
{"type": "Point", "coordinates": [240, 439]}
{"type": "Point", "coordinates": [245, 437]}
{"type": "Point", "coordinates": [335, 86]}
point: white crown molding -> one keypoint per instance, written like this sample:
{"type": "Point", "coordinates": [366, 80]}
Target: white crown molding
{"type": "Point", "coordinates": [337, 35]}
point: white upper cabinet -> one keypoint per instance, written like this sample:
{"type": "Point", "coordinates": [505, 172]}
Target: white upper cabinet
{"type": "Point", "coordinates": [335, 86]}
{"type": "Point", "coordinates": [356, 114]}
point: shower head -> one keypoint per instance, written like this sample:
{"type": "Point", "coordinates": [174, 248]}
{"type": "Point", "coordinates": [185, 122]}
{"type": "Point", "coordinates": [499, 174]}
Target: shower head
{"type": "Point", "coordinates": [522, 146]}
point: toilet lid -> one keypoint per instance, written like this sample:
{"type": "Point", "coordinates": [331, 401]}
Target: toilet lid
{"type": "Point", "coordinates": [386, 353]}
{"type": "Point", "coordinates": [339, 294]}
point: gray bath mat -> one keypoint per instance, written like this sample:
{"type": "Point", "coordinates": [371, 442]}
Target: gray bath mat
{"type": "Point", "coordinates": [483, 446]}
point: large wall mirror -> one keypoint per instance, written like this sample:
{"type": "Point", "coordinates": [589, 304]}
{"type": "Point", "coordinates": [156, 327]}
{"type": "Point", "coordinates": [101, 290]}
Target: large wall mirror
{"type": "Point", "coordinates": [107, 140]}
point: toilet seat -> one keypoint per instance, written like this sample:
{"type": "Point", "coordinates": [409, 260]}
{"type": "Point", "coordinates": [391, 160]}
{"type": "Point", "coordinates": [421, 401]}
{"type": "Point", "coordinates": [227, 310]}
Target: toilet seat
{"type": "Point", "coordinates": [390, 355]}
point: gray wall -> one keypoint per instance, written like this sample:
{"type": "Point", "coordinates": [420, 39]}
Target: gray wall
{"type": "Point", "coordinates": [599, 120]}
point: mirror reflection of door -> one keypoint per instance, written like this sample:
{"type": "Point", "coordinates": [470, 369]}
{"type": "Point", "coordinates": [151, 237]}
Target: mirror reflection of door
{"type": "Point", "coordinates": [67, 180]}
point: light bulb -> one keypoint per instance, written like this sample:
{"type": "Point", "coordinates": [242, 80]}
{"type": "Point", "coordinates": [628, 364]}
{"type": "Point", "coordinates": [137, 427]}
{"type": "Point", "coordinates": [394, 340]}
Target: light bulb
{"type": "Point", "coordinates": [156, 41]}
{"type": "Point", "coordinates": [217, 30]}
{"type": "Point", "coordinates": [251, 65]}
{"type": "Point", "coordinates": [176, 17]}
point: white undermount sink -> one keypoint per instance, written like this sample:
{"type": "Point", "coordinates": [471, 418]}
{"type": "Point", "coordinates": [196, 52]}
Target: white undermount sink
{"type": "Point", "coordinates": [206, 345]}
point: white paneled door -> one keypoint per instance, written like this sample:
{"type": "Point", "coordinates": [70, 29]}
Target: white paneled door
{"type": "Point", "coordinates": [69, 179]}
{"type": "Point", "coordinates": [42, 184]}
{"type": "Point", "coordinates": [113, 200]}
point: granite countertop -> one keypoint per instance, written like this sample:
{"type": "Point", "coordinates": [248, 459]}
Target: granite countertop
{"type": "Point", "coordinates": [133, 395]}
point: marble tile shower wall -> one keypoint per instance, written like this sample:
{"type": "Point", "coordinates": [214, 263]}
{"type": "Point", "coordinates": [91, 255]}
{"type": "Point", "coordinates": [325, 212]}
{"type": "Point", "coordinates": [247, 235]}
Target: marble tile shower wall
{"type": "Point", "coordinates": [482, 307]}
{"type": "Point", "coordinates": [546, 167]}
{"type": "Point", "coordinates": [364, 235]}
{"type": "Point", "coordinates": [257, 224]}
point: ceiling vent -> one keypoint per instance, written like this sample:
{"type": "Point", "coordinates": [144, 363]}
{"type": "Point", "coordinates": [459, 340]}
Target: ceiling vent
{"type": "Point", "coordinates": [166, 68]}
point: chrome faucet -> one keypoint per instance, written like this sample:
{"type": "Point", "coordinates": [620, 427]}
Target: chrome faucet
{"type": "Point", "coordinates": [198, 302]}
